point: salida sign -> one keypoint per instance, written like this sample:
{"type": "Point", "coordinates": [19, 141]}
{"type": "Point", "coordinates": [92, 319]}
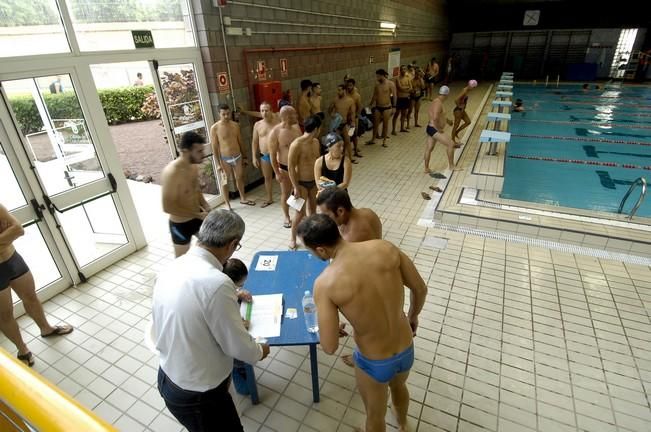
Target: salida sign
{"type": "Point", "coordinates": [142, 38]}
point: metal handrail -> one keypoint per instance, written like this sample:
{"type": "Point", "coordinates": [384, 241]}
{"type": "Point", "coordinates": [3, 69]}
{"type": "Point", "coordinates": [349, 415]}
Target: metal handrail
{"type": "Point", "coordinates": [638, 181]}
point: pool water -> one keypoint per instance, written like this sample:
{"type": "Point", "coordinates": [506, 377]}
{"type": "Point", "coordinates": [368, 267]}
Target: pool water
{"type": "Point", "coordinates": [580, 149]}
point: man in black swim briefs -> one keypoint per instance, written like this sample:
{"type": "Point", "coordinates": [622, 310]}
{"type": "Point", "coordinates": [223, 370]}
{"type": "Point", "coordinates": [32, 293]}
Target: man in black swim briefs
{"type": "Point", "coordinates": [435, 126]}
{"type": "Point", "coordinates": [383, 102]}
{"type": "Point", "coordinates": [15, 275]}
{"type": "Point", "coordinates": [182, 197]}
{"type": "Point", "coordinates": [403, 88]}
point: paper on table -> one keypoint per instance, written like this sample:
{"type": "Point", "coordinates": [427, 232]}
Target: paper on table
{"type": "Point", "coordinates": [266, 263]}
{"type": "Point", "coordinates": [264, 314]}
{"type": "Point", "coordinates": [295, 203]}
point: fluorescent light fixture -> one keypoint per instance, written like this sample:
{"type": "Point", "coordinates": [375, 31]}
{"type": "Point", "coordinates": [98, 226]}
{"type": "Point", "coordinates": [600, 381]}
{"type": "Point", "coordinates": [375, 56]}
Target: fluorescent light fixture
{"type": "Point", "coordinates": [388, 25]}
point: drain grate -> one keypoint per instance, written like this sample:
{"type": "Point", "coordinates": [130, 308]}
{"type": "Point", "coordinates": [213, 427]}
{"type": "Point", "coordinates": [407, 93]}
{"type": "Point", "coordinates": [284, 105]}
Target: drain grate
{"type": "Point", "coordinates": [547, 244]}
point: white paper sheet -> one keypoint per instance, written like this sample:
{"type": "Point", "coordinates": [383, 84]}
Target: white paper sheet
{"type": "Point", "coordinates": [266, 263]}
{"type": "Point", "coordinates": [266, 315]}
{"type": "Point", "coordinates": [295, 203]}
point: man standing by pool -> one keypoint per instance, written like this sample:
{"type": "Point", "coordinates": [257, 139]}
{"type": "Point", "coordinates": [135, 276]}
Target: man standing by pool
{"type": "Point", "coordinates": [383, 103]}
{"type": "Point", "coordinates": [228, 151]}
{"type": "Point", "coordinates": [403, 87]}
{"type": "Point", "coordinates": [437, 121]}
{"type": "Point", "coordinates": [344, 105]}
{"type": "Point", "coordinates": [365, 282]}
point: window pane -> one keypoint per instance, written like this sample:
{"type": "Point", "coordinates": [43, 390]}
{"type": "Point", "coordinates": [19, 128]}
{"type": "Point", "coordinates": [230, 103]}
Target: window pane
{"type": "Point", "coordinates": [30, 27]}
{"type": "Point", "coordinates": [11, 196]}
{"type": "Point", "coordinates": [107, 25]}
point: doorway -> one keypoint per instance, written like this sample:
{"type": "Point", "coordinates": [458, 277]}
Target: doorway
{"type": "Point", "coordinates": [145, 137]}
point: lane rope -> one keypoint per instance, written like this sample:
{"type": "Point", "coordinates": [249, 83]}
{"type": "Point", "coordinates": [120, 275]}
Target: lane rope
{"type": "Point", "coordinates": [582, 162]}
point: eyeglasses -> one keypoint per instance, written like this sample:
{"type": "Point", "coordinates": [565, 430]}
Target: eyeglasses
{"type": "Point", "coordinates": [239, 246]}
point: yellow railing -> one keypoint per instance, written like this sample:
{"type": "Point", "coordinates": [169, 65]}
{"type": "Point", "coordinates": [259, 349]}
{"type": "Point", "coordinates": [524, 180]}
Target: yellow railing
{"type": "Point", "coordinates": [26, 397]}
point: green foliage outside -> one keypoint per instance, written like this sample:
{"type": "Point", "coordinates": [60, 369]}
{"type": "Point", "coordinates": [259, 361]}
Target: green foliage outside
{"type": "Point", "coordinates": [120, 105]}
{"type": "Point", "coordinates": [42, 12]}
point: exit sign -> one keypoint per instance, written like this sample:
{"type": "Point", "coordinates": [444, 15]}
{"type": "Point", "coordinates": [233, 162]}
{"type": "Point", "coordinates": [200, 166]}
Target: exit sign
{"type": "Point", "coordinates": [142, 38]}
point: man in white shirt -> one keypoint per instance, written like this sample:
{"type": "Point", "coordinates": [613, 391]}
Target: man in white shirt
{"type": "Point", "coordinates": [198, 329]}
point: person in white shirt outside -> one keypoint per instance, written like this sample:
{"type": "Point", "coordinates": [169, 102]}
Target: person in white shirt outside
{"type": "Point", "coordinates": [198, 329]}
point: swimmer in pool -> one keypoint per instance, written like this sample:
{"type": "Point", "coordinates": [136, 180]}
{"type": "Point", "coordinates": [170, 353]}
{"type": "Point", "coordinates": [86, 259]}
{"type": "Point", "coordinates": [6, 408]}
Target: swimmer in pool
{"type": "Point", "coordinates": [303, 153]}
{"type": "Point", "coordinates": [437, 121]}
{"type": "Point", "coordinates": [365, 282]}
{"type": "Point", "coordinates": [519, 106]}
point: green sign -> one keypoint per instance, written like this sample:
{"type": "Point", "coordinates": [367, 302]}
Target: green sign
{"type": "Point", "coordinates": [142, 38]}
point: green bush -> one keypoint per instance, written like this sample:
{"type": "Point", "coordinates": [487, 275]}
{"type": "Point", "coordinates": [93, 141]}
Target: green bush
{"type": "Point", "coordinates": [120, 105]}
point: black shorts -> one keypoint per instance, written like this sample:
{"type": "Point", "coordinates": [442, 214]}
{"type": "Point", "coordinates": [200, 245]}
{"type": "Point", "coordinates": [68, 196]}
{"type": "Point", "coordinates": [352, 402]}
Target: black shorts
{"type": "Point", "coordinates": [182, 232]}
{"type": "Point", "coordinates": [430, 130]}
{"type": "Point", "coordinates": [12, 269]}
{"type": "Point", "coordinates": [402, 103]}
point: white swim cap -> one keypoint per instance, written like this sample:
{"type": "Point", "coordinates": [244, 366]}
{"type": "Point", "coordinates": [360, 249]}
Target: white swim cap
{"type": "Point", "coordinates": [444, 90]}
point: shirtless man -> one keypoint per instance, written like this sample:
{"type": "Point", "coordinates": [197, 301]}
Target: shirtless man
{"type": "Point", "coordinates": [460, 113]}
{"type": "Point", "coordinates": [435, 126]}
{"type": "Point", "coordinates": [383, 103]}
{"type": "Point", "coordinates": [281, 136]}
{"type": "Point", "coordinates": [228, 152]}
{"type": "Point", "coordinates": [260, 146]}
{"type": "Point", "coordinates": [315, 99]}
{"type": "Point", "coordinates": [15, 274]}
{"type": "Point", "coordinates": [344, 105]}
{"type": "Point", "coordinates": [431, 76]}
{"type": "Point", "coordinates": [403, 87]}
{"type": "Point", "coordinates": [182, 197]}
{"type": "Point", "coordinates": [303, 153]}
{"type": "Point", "coordinates": [304, 105]}
{"type": "Point", "coordinates": [365, 282]}
{"type": "Point", "coordinates": [352, 92]}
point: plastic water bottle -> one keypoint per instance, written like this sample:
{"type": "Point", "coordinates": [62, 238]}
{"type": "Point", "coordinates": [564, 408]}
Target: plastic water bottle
{"type": "Point", "coordinates": [309, 309]}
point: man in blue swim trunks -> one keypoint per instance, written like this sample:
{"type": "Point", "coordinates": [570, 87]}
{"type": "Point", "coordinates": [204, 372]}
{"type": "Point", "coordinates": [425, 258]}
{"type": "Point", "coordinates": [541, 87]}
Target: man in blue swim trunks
{"type": "Point", "coordinates": [260, 146]}
{"type": "Point", "coordinates": [365, 282]}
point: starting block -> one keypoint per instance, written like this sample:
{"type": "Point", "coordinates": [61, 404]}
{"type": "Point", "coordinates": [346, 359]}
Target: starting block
{"type": "Point", "coordinates": [498, 116]}
{"type": "Point", "coordinates": [504, 93]}
{"type": "Point", "coordinates": [493, 137]}
{"type": "Point", "coordinates": [502, 103]}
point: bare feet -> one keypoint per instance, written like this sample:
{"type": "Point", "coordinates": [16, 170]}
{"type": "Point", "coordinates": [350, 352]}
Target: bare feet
{"type": "Point", "coordinates": [348, 360]}
{"type": "Point", "coordinates": [292, 245]}
{"type": "Point", "coordinates": [401, 428]}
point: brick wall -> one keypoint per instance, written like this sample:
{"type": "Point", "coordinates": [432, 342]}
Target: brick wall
{"type": "Point", "coordinates": [303, 29]}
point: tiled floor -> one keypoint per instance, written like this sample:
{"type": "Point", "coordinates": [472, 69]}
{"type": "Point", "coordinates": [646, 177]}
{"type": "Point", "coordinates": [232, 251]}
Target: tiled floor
{"type": "Point", "coordinates": [512, 337]}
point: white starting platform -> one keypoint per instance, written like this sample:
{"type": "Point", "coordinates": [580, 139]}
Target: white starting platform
{"type": "Point", "coordinates": [504, 86]}
{"type": "Point", "coordinates": [504, 93]}
{"type": "Point", "coordinates": [498, 116]}
{"type": "Point", "coordinates": [502, 103]}
{"type": "Point", "coordinates": [493, 137]}
{"type": "Point", "coordinates": [507, 73]}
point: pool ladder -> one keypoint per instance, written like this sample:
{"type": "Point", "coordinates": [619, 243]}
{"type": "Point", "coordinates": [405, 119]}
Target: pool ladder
{"type": "Point", "coordinates": [639, 181]}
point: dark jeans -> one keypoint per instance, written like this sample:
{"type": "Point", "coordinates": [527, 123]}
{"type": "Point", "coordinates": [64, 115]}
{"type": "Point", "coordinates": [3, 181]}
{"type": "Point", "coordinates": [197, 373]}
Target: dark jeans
{"type": "Point", "coordinates": [212, 410]}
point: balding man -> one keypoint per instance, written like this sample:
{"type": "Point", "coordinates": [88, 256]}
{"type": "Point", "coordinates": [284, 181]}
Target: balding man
{"type": "Point", "coordinates": [199, 331]}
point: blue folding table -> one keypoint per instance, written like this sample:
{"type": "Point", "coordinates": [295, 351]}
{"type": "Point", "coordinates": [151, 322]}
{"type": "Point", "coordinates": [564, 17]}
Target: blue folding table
{"type": "Point", "coordinates": [295, 273]}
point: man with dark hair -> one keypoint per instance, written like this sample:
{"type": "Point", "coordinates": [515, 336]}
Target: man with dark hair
{"type": "Point", "coordinates": [383, 104]}
{"type": "Point", "coordinates": [303, 153]}
{"type": "Point", "coordinates": [403, 88]}
{"type": "Point", "coordinates": [229, 154]}
{"type": "Point", "coordinates": [365, 282]}
{"type": "Point", "coordinates": [315, 99]}
{"type": "Point", "coordinates": [431, 76]}
{"type": "Point", "coordinates": [304, 106]}
{"type": "Point", "coordinates": [353, 93]}
{"type": "Point", "coordinates": [182, 197]}
{"type": "Point", "coordinates": [344, 105]}
{"type": "Point", "coordinates": [198, 330]}
{"type": "Point", "coordinates": [355, 225]}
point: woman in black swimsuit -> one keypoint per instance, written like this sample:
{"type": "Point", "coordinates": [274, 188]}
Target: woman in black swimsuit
{"type": "Point", "coordinates": [419, 87]}
{"type": "Point", "coordinates": [334, 168]}
{"type": "Point", "coordinates": [460, 112]}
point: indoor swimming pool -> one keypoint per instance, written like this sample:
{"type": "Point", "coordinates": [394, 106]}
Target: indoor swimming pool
{"type": "Point", "coordinates": [579, 148]}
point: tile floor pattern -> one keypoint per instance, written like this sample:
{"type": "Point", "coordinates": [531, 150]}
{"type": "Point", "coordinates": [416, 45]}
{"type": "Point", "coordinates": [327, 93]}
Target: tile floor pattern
{"type": "Point", "coordinates": [512, 337]}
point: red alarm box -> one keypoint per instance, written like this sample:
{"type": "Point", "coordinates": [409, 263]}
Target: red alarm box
{"type": "Point", "coordinates": [268, 91]}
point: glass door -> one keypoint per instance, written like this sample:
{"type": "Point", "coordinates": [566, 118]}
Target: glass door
{"type": "Point", "coordinates": [54, 138]}
{"type": "Point", "coordinates": [180, 94]}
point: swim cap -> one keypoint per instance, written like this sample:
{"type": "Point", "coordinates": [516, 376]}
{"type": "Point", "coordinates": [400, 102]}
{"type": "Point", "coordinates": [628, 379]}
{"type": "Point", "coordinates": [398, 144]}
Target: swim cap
{"type": "Point", "coordinates": [444, 90]}
{"type": "Point", "coordinates": [472, 83]}
{"type": "Point", "coordinates": [331, 139]}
